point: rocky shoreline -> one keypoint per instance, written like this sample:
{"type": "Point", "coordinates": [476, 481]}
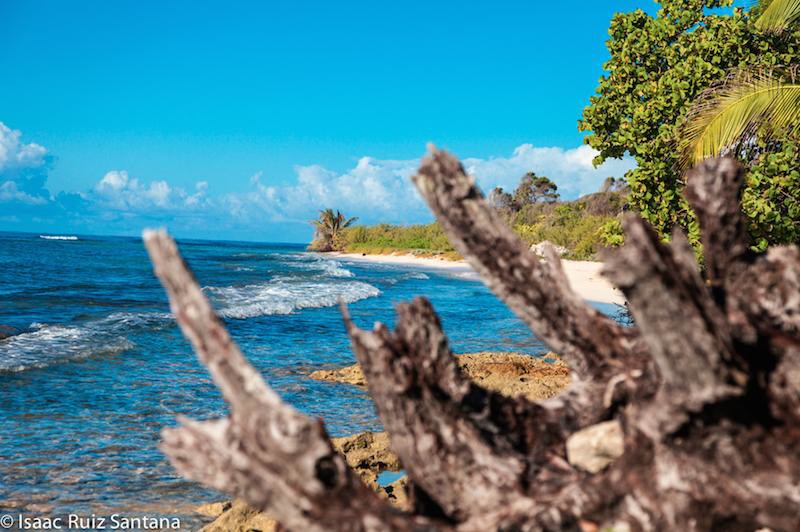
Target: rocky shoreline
{"type": "Point", "coordinates": [511, 374]}
{"type": "Point", "coordinates": [370, 454]}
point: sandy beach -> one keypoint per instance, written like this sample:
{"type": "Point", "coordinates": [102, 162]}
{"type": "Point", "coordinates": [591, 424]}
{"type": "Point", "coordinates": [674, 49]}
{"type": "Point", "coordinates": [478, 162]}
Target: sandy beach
{"type": "Point", "coordinates": [584, 276]}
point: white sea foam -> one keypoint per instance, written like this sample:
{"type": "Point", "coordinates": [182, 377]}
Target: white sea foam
{"type": "Point", "coordinates": [45, 344]}
{"type": "Point", "coordinates": [325, 266]}
{"type": "Point", "coordinates": [332, 268]}
{"type": "Point", "coordinates": [284, 296]}
{"type": "Point", "coordinates": [59, 237]}
{"type": "Point", "coordinates": [404, 276]}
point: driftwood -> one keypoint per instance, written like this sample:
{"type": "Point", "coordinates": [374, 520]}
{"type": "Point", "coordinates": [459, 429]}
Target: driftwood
{"type": "Point", "coordinates": [694, 411]}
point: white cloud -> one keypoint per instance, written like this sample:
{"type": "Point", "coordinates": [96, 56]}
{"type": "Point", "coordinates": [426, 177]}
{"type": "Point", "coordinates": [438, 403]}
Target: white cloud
{"type": "Point", "coordinates": [113, 181]}
{"type": "Point", "coordinates": [199, 195]}
{"type": "Point", "coordinates": [23, 169]}
{"type": "Point", "coordinates": [159, 193]}
{"type": "Point", "coordinates": [16, 155]}
{"type": "Point", "coordinates": [10, 192]}
{"type": "Point", "coordinates": [378, 190]}
{"type": "Point", "coordinates": [571, 170]}
{"type": "Point", "coordinates": [375, 190]}
{"type": "Point", "coordinates": [120, 191]}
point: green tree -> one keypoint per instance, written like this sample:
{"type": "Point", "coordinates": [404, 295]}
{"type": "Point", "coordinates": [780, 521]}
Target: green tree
{"type": "Point", "coordinates": [658, 67]}
{"type": "Point", "coordinates": [778, 15]}
{"type": "Point", "coordinates": [534, 189]}
{"type": "Point", "coordinates": [501, 200]}
{"type": "Point", "coordinates": [328, 228]}
{"type": "Point", "coordinates": [730, 116]}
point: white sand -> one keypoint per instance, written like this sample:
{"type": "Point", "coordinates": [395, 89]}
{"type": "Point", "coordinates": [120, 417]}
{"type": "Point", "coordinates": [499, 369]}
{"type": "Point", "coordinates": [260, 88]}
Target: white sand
{"type": "Point", "coordinates": [584, 276]}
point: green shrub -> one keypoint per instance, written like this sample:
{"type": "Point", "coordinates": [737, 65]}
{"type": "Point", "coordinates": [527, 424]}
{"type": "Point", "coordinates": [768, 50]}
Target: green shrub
{"type": "Point", "coordinates": [425, 237]}
{"type": "Point", "coordinates": [658, 65]}
{"type": "Point", "coordinates": [582, 226]}
{"type": "Point", "coordinates": [611, 234]}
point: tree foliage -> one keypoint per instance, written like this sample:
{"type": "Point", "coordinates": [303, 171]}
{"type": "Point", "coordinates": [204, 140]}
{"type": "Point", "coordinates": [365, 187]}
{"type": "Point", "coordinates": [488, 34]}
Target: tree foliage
{"type": "Point", "coordinates": [729, 116]}
{"type": "Point", "coordinates": [778, 15]}
{"type": "Point", "coordinates": [535, 189]}
{"type": "Point", "coordinates": [328, 228]}
{"type": "Point", "coordinates": [501, 200]}
{"type": "Point", "coordinates": [659, 65]}
{"type": "Point", "coordinates": [531, 190]}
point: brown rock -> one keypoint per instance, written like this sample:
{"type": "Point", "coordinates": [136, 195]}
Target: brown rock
{"type": "Point", "coordinates": [241, 518]}
{"type": "Point", "coordinates": [397, 494]}
{"type": "Point", "coordinates": [511, 374]}
{"type": "Point", "coordinates": [368, 454]}
{"type": "Point", "coordinates": [214, 509]}
{"type": "Point", "coordinates": [594, 447]}
{"type": "Point", "coordinates": [347, 375]}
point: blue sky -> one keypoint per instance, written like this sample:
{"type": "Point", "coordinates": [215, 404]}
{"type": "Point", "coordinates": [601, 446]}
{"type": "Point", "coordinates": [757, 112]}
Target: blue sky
{"type": "Point", "coordinates": [239, 120]}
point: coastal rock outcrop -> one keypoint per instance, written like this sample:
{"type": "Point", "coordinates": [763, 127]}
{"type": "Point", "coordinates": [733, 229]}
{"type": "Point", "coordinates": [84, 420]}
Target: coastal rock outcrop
{"type": "Point", "coordinates": [539, 249]}
{"type": "Point", "coordinates": [594, 447]}
{"type": "Point", "coordinates": [370, 454]}
{"type": "Point", "coordinates": [237, 516]}
{"type": "Point", "coordinates": [511, 374]}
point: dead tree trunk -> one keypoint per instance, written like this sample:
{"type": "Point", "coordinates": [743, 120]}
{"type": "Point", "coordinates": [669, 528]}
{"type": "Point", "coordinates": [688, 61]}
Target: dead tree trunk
{"type": "Point", "coordinates": [699, 402]}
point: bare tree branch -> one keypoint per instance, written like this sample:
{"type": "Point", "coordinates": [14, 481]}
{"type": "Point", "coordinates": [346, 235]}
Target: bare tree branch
{"type": "Point", "coordinates": [714, 189]}
{"type": "Point", "coordinates": [685, 331]}
{"type": "Point", "coordinates": [538, 292]}
{"type": "Point", "coordinates": [440, 423]}
{"type": "Point", "coordinates": [267, 453]}
{"type": "Point", "coordinates": [701, 400]}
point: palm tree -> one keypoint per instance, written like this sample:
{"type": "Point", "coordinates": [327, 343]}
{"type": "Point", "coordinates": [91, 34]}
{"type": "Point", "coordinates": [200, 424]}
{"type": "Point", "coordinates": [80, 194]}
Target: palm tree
{"type": "Point", "coordinates": [328, 227]}
{"type": "Point", "coordinates": [749, 103]}
{"type": "Point", "coordinates": [728, 116]}
{"type": "Point", "coordinates": [778, 15]}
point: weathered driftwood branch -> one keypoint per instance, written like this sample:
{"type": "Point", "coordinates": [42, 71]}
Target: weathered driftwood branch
{"type": "Point", "coordinates": [267, 453]}
{"type": "Point", "coordinates": [694, 413]}
{"type": "Point", "coordinates": [714, 189]}
{"type": "Point", "coordinates": [538, 292]}
{"type": "Point", "coordinates": [695, 360]}
{"type": "Point", "coordinates": [469, 446]}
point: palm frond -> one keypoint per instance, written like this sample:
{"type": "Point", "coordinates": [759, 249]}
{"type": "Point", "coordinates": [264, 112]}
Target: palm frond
{"type": "Point", "coordinates": [778, 15]}
{"type": "Point", "coordinates": [730, 114]}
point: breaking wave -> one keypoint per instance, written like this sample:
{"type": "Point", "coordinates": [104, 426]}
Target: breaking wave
{"type": "Point", "coordinates": [324, 266]}
{"type": "Point", "coordinates": [59, 237]}
{"type": "Point", "coordinates": [44, 345]}
{"type": "Point", "coordinates": [330, 267]}
{"type": "Point", "coordinates": [284, 296]}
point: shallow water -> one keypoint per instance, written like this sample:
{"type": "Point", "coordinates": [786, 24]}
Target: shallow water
{"type": "Point", "coordinates": [100, 366]}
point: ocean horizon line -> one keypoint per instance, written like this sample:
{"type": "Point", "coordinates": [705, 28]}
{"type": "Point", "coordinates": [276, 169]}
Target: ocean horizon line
{"type": "Point", "coordinates": [37, 234]}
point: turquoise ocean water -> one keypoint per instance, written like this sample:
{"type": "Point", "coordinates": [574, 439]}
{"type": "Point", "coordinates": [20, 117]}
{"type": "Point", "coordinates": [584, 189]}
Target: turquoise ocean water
{"type": "Point", "coordinates": [97, 366]}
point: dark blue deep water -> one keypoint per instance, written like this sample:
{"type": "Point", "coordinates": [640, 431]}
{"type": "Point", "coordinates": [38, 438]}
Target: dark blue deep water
{"type": "Point", "coordinates": [98, 366]}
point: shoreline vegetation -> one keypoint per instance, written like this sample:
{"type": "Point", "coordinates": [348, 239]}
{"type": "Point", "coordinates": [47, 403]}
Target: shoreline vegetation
{"type": "Point", "coordinates": [578, 229]}
{"type": "Point", "coordinates": [369, 453]}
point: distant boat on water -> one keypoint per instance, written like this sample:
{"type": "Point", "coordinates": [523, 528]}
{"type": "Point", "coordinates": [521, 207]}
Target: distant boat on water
{"type": "Point", "coordinates": [59, 237]}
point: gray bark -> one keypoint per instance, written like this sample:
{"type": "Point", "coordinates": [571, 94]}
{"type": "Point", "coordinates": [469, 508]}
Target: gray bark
{"type": "Point", "coordinates": [692, 415]}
